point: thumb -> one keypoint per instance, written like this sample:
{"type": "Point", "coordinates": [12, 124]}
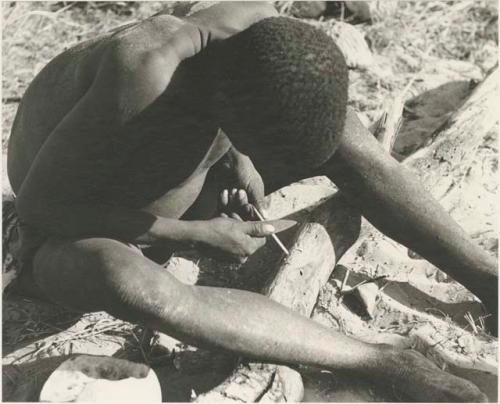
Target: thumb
{"type": "Point", "coordinates": [259, 229]}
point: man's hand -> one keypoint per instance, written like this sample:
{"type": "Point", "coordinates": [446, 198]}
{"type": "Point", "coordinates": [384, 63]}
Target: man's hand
{"type": "Point", "coordinates": [235, 238]}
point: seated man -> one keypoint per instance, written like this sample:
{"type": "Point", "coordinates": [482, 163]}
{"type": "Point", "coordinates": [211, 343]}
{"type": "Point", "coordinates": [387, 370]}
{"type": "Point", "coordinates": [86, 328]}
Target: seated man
{"type": "Point", "coordinates": [111, 148]}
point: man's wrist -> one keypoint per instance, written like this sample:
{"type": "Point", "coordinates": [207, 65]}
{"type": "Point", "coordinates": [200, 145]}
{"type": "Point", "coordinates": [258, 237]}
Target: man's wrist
{"type": "Point", "coordinates": [181, 231]}
{"type": "Point", "coordinates": [196, 231]}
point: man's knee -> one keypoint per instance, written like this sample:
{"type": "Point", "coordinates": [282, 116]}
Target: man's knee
{"type": "Point", "coordinates": [83, 269]}
{"type": "Point", "coordinates": [90, 255]}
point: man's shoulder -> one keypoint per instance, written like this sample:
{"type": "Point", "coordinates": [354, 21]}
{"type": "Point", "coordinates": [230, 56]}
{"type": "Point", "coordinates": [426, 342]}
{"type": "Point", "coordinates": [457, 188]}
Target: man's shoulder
{"type": "Point", "coordinates": [164, 37]}
{"type": "Point", "coordinates": [139, 55]}
{"type": "Point", "coordinates": [144, 38]}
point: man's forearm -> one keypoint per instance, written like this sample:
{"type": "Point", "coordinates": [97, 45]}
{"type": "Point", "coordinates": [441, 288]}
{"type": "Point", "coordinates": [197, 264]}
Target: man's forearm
{"type": "Point", "coordinates": [175, 202]}
{"type": "Point", "coordinates": [105, 221]}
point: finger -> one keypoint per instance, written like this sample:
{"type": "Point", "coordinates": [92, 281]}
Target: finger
{"type": "Point", "coordinates": [224, 215]}
{"type": "Point", "coordinates": [224, 197]}
{"type": "Point", "coordinates": [234, 191]}
{"type": "Point", "coordinates": [236, 216]}
{"type": "Point", "coordinates": [259, 229]}
{"type": "Point", "coordinates": [259, 242]}
{"type": "Point", "coordinates": [248, 212]}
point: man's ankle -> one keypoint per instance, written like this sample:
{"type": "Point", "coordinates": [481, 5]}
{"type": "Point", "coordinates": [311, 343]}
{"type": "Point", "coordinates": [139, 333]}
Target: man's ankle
{"type": "Point", "coordinates": [382, 361]}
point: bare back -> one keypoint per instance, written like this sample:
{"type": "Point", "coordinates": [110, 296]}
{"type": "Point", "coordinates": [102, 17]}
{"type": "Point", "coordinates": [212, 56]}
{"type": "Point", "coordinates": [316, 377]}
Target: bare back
{"type": "Point", "coordinates": [127, 140]}
{"type": "Point", "coordinates": [62, 83]}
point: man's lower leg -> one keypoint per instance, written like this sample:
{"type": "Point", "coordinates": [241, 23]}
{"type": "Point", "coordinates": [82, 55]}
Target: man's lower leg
{"type": "Point", "coordinates": [106, 275]}
{"type": "Point", "coordinates": [391, 198]}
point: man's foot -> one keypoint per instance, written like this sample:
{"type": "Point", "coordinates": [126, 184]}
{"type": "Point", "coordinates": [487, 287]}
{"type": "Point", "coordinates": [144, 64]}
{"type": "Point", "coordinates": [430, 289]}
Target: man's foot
{"type": "Point", "coordinates": [414, 375]}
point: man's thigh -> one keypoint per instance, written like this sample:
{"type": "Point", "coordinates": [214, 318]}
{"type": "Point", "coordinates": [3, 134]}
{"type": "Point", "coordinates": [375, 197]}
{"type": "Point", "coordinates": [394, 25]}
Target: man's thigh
{"type": "Point", "coordinates": [76, 272]}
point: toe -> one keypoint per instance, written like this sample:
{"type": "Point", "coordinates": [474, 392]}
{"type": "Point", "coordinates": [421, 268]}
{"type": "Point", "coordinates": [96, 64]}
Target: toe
{"type": "Point", "coordinates": [242, 197]}
{"type": "Point", "coordinates": [248, 212]}
{"type": "Point", "coordinates": [236, 216]}
{"type": "Point", "coordinates": [234, 191]}
{"type": "Point", "coordinates": [224, 198]}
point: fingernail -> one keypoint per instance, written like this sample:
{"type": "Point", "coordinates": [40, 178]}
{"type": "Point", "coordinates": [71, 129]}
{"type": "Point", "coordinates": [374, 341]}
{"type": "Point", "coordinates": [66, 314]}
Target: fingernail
{"type": "Point", "coordinates": [269, 228]}
{"type": "Point", "coordinates": [241, 193]}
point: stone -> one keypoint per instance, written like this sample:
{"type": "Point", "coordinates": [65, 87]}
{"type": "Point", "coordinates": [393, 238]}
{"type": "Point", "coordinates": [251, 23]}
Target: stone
{"type": "Point", "coordinates": [292, 385]}
{"type": "Point", "coordinates": [308, 9]}
{"type": "Point", "coordinates": [360, 9]}
{"type": "Point", "coordinates": [100, 378]}
{"type": "Point", "coordinates": [372, 10]}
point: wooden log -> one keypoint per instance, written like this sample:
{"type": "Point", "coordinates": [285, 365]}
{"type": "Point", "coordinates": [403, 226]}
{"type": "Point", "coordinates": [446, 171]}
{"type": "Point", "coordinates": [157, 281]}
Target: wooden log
{"type": "Point", "coordinates": [426, 113]}
{"type": "Point", "coordinates": [302, 273]}
{"type": "Point", "coordinates": [442, 166]}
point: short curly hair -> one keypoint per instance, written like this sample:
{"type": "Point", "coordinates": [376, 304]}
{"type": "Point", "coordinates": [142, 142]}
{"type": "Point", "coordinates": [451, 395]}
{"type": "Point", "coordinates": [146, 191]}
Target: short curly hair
{"type": "Point", "coordinates": [282, 84]}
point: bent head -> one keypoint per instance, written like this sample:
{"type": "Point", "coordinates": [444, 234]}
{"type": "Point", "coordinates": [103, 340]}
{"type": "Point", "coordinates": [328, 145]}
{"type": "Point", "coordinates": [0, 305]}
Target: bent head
{"type": "Point", "coordinates": [281, 94]}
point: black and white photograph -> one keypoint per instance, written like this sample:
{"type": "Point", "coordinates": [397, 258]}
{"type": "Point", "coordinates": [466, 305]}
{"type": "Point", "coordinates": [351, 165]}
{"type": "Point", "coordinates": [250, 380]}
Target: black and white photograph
{"type": "Point", "coordinates": [250, 201]}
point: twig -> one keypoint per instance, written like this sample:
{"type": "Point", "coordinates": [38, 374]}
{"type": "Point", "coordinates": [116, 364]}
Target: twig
{"type": "Point", "coordinates": [139, 343]}
{"type": "Point", "coordinates": [57, 342]}
{"type": "Point", "coordinates": [468, 317]}
{"type": "Point", "coordinates": [389, 124]}
{"type": "Point", "coordinates": [274, 236]}
{"type": "Point", "coordinates": [344, 281]}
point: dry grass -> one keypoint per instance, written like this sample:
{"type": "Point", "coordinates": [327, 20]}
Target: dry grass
{"type": "Point", "coordinates": [407, 42]}
{"type": "Point", "coordinates": [454, 30]}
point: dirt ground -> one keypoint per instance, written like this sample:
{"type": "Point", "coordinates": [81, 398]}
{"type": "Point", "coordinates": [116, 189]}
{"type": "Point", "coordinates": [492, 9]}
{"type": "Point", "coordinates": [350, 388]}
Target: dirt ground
{"type": "Point", "coordinates": [415, 47]}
